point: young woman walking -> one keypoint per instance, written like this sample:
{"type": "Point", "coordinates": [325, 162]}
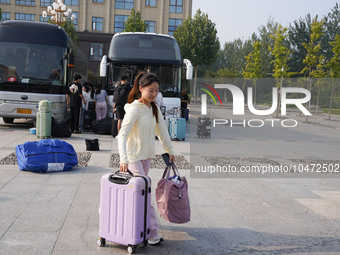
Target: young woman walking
{"type": "Point", "coordinates": [136, 139]}
{"type": "Point", "coordinates": [101, 102]}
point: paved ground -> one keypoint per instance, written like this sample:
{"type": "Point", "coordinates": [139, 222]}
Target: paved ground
{"type": "Point", "coordinates": [57, 213]}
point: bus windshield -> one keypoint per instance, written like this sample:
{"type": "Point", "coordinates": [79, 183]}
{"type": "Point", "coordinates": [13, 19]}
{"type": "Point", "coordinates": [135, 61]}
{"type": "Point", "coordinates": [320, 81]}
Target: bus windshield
{"type": "Point", "coordinates": [144, 48]}
{"type": "Point", "coordinates": [169, 76]}
{"type": "Point", "coordinates": [25, 63]}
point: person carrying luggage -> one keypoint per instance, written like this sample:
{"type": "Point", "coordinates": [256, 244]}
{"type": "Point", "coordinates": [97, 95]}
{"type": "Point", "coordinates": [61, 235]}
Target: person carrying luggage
{"type": "Point", "coordinates": [136, 139]}
{"type": "Point", "coordinates": [74, 99]}
{"type": "Point", "coordinates": [101, 102]}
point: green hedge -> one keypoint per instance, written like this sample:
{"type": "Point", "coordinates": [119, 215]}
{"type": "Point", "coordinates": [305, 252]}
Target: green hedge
{"type": "Point", "coordinates": [334, 111]}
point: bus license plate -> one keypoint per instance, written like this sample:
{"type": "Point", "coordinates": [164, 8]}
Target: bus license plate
{"type": "Point", "coordinates": [24, 111]}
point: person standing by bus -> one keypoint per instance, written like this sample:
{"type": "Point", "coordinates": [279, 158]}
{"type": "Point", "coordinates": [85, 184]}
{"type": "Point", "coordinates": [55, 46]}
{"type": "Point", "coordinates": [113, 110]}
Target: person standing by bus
{"type": "Point", "coordinates": [101, 102]}
{"type": "Point", "coordinates": [74, 99]}
{"type": "Point", "coordinates": [84, 107]}
{"type": "Point", "coordinates": [136, 139]}
{"type": "Point", "coordinates": [184, 102]}
{"type": "Point", "coordinates": [120, 99]}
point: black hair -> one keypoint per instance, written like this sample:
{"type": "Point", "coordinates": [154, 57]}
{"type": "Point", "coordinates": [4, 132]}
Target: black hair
{"type": "Point", "coordinates": [98, 89]}
{"type": "Point", "coordinates": [92, 90]}
{"type": "Point", "coordinates": [77, 76]}
{"type": "Point", "coordinates": [87, 87]}
{"type": "Point", "coordinates": [123, 77]}
{"type": "Point", "coordinates": [144, 80]}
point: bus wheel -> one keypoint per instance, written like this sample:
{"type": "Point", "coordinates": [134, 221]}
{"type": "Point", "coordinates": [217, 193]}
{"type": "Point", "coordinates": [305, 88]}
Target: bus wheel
{"type": "Point", "coordinates": [8, 120]}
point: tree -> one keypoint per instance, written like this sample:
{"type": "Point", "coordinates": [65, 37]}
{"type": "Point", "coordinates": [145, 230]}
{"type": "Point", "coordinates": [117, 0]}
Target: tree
{"type": "Point", "coordinates": [331, 29]}
{"type": "Point", "coordinates": [281, 53]}
{"type": "Point", "coordinates": [93, 78]}
{"type": "Point", "coordinates": [267, 41]}
{"type": "Point", "coordinates": [319, 73]}
{"type": "Point", "coordinates": [69, 28]}
{"type": "Point", "coordinates": [299, 33]}
{"type": "Point", "coordinates": [334, 68]}
{"type": "Point", "coordinates": [134, 23]}
{"type": "Point", "coordinates": [253, 67]}
{"type": "Point", "coordinates": [313, 56]}
{"type": "Point", "coordinates": [197, 39]}
{"type": "Point", "coordinates": [234, 54]}
{"type": "Point", "coordinates": [230, 60]}
{"type": "Point", "coordinates": [326, 66]}
{"type": "Point", "coordinates": [0, 14]}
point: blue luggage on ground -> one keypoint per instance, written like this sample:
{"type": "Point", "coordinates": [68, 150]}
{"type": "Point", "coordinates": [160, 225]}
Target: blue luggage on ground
{"type": "Point", "coordinates": [177, 128]}
{"type": "Point", "coordinates": [46, 156]}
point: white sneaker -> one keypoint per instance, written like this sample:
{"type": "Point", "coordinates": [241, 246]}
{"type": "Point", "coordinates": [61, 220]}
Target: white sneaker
{"type": "Point", "coordinates": [155, 241]}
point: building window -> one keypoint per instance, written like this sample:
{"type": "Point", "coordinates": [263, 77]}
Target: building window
{"type": "Point", "coordinates": [24, 16]}
{"type": "Point", "coordinates": [25, 2]}
{"type": "Point", "coordinates": [151, 26]}
{"type": "Point", "coordinates": [173, 24]}
{"type": "Point", "coordinates": [96, 51]}
{"type": "Point", "coordinates": [176, 6]}
{"type": "Point", "coordinates": [124, 4]}
{"type": "Point", "coordinates": [120, 22]}
{"type": "Point", "coordinates": [71, 2]}
{"type": "Point", "coordinates": [5, 1]}
{"type": "Point", "coordinates": [75, 22]}
{"type": "Point", "coordinates": [5, 16]}
{"type": "Point", "coordinates": [98, 1]}
{"type": "Point", "coordinates": [42, 19]}
{"type": "Point", "coordinates": [97, 24]}
{"type": "Point", "coordinates": [46, 2]}
{"type": "Point", "coordinates": [150, 3]}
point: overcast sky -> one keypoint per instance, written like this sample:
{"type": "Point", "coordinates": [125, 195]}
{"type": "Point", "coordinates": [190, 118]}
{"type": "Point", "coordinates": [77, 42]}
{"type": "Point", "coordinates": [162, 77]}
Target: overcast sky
{"type": "Point", "coordinates": [240, 18]}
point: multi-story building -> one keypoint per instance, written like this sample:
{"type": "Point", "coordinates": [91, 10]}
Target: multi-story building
{"type": "Point", "coordinates": [97, 20]}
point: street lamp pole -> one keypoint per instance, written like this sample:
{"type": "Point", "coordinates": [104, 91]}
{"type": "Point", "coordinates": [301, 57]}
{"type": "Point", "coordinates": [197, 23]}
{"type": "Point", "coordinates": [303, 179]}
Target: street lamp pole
{"type": "Point", "coordinates": [58, 12]}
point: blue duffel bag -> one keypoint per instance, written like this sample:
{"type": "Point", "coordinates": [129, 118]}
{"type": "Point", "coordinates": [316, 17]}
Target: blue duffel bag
{"type": "Point", "coordinates": [46, 156]}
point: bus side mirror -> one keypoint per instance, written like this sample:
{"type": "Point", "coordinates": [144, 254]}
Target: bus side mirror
{"type": "Point", "coordinates": [189, 68]}
{"type": "Point", "coordinates": [103, 64]}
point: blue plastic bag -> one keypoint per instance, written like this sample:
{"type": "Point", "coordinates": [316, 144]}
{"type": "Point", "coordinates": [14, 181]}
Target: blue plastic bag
{"type": "Point", "coordinates": [46, 156]}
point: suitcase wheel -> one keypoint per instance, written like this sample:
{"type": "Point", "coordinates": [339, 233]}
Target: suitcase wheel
{"type": "Point", "coordinates": [131, 249]}
{"type": "Point", "coordinates": [101, 242]}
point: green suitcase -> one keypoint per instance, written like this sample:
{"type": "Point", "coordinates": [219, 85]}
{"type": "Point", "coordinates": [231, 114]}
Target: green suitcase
{"type": "Point", "coordinates": [44, 125]}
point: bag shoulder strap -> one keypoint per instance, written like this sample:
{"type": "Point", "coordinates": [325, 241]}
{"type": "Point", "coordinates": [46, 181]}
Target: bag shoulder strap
{"type": "Point", "coordinates": [167, 170]}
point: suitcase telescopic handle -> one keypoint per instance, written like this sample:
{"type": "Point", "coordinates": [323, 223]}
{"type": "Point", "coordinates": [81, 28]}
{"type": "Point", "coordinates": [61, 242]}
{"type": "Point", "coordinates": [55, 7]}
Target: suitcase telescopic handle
{"type": "Point", "coordinates": [175, 111]}
{"type": "Point", "coordinates": [120, 177]}
{"type": "Point", "coordinates": [128, 171]}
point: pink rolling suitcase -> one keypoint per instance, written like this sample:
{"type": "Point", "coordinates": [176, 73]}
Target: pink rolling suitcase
{"type": "Point", "coordinates": [124, 210]}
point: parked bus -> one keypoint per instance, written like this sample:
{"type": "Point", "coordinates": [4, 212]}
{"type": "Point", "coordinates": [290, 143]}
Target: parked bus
{"type": "Point", "coordinates": [37, 61]}
{"type": "Point", "coordinates": [132, 53]}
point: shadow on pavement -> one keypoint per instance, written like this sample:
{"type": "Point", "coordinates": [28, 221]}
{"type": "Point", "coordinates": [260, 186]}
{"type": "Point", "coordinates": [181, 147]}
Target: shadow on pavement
{"type": "Point", "coordinates": [244, 241]}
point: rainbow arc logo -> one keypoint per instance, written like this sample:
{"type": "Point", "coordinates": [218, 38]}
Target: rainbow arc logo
{"type": "Point", "coordinates": [209, 93]}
